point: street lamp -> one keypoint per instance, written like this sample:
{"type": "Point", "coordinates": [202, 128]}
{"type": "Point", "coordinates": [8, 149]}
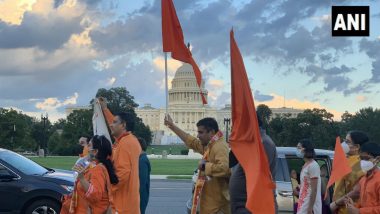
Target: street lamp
{"type": "Point", "coordinates": [44, 120]}
{"type": "Point", "coordinates": [227, 122]}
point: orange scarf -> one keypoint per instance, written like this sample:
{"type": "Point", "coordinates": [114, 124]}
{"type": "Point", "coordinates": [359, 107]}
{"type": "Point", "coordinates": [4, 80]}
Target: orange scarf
{"type": "Point", "coordinates": [202, 175]}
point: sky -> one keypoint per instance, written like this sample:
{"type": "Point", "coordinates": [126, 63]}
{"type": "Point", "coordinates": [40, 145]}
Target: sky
{"type": "Point", "coordinates": [58, 53]}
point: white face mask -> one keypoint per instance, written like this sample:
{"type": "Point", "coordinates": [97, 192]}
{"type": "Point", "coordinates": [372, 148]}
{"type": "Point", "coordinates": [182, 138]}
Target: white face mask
{"type": "Point", "coordinates": [345, 147]}
{"type": "Point", "coordinates": [366, 165]}
{"type": "Point", "coordinates": [299, 153]}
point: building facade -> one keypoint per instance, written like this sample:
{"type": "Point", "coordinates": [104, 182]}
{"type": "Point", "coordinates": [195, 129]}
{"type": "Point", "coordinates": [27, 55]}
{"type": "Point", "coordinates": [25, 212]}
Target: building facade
{"type": "Point", "coordinates": [186, 109]}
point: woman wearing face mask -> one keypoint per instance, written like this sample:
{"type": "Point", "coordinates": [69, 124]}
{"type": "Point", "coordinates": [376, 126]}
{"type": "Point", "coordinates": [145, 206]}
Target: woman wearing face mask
{"type": "Point", "coordinates": [369, 185]}
{"type": "Point", "coordinates": [92, 189]}
{"type": "Point", "coordinates": [309, 201]}
{"type": "Point", "coordinates": [351, 146]}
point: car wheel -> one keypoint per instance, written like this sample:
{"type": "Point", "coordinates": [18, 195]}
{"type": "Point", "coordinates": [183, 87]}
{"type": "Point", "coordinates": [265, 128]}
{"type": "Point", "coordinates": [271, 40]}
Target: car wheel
{"type": "Point", "coordinates": [44, 206]}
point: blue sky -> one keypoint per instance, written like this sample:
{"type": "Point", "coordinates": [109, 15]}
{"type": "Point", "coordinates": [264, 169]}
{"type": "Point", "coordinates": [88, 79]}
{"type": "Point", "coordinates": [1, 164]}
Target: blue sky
{"type": "Point", "coordinates": [57, 53]}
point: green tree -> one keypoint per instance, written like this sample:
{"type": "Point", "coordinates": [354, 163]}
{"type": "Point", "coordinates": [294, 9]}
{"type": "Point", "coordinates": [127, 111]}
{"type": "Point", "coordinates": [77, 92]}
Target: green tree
{"type": "Point", "coordinates": [316, 124]}
{"type": "Point", "coordinates": [367, 120]}
{"type": "Point", "coordinates": [15, 130]}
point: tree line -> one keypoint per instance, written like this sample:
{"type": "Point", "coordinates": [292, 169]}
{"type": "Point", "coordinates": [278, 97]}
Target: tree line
{"type": "Point", "coordinates": [20, 132]}
{"type": "Point", "coordinates": [319, 126]}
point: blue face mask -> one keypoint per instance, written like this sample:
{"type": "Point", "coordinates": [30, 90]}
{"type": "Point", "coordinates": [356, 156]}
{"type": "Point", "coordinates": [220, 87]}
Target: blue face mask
{"type": "Point", "coordinates": [299, 153]}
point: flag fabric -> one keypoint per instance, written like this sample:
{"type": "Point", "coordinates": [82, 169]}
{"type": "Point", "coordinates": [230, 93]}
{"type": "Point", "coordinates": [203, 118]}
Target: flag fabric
{"type": "Point", "coordinates": [245, 140]}
{"type": "Point", "coordinates": [173, 41]}
{"type": "Point", "coordinates": [99, 123]}
{"type": "Point", "coordinates": [340, 167]}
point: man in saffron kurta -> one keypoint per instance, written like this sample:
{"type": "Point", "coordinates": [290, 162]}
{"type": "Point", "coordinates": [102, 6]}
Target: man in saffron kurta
{"type": "Point", "coordinates": [125, 157]}
{"type": "Point", "coordinates": [215, 196]}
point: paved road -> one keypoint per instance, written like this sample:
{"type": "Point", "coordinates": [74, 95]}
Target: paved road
{"type": "Point", "coordinates": [169, 196]}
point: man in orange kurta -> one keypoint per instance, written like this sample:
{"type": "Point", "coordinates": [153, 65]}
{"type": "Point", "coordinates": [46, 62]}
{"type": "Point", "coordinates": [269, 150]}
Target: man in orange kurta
{"type": "Point", "coordinates": [125, 157]}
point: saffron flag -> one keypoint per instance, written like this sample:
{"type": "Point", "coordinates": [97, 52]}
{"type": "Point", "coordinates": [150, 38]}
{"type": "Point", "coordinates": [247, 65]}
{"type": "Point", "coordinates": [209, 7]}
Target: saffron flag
{"type": "Point", "coordinates": [245, 140]}
{"type": "Point", "coordinates": [99, 123]}
{"type": "Point", "coordinates": [173, 41]}
{"type": "Point", "coordinates": [340, 167]}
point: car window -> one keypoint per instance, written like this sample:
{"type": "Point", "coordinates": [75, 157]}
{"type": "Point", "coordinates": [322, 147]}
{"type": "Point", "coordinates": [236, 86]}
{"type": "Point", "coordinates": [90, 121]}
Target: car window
{"type": "Point", "coordinates": [281, 170]}
{"type": "Point", "coordinates": [22, 163]}
{"type": "Point", "coordinates": [3, 170]}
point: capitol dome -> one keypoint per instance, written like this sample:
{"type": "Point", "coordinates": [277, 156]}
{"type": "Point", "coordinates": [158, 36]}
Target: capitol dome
{"type": "Point", "coordinates": [185, 90]}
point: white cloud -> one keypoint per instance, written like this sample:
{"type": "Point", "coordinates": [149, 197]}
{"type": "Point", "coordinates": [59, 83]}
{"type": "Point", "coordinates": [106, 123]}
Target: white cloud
{"type": "Point", "coordinates": [53, 103]}
{"type": "Point", "coordinates": [323, 18]}
{"type": "Point", "coordinates": [111, 81]}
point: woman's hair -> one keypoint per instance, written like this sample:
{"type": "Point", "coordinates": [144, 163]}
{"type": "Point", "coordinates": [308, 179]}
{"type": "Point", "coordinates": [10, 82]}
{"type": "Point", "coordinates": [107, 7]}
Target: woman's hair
{"type": "Point", "coordinates": [358, 137]}
{"type": "Point", "coordinates": [308, 148]}
{"type": "Point", "coordinates": [104, 147]}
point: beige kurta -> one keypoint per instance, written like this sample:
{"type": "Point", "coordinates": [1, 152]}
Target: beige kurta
{"type": "Point", "coordinates": [215, 195]}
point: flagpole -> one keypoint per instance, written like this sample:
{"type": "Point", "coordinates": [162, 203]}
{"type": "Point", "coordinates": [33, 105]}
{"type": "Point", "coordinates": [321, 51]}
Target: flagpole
{"type": "Point", "coordinates": [166, 82]}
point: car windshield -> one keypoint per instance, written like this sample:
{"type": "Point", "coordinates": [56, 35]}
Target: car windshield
{"type": "Point", "coordinates": [22, 163]}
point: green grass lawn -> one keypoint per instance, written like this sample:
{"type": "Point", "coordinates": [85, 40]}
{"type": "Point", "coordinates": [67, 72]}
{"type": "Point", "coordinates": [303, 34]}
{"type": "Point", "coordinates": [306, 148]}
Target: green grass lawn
{"type": "Point", "coordinates": [159, 166]}
{"type": "Point", "coordinates": [170, 149]}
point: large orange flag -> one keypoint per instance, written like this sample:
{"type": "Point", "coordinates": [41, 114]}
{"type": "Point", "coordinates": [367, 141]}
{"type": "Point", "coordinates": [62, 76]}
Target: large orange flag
{"type": "Point", "coordinates": [340, 167]}
{"type": "Point", "coordinates": [172, 40]}
{"type": "Point", "coordinates": [245, 138]}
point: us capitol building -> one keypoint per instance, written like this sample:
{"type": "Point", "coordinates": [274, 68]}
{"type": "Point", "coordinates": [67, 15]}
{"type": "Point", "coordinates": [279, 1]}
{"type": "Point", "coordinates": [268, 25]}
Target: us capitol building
{"type": "Point", "coordinates": [186, 109]}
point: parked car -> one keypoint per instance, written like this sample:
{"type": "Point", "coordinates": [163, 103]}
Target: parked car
{"type": "Point", "coordinates": [287, 161]}
{"type": "Point", "coordinates": [29, 188]}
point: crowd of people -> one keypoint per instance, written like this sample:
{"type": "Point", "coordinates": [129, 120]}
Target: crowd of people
{"type": "Point", "coordinates": [117, 176]}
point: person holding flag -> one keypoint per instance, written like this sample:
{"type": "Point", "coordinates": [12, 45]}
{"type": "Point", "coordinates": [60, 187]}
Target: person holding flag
{"type": "Point", "coordinates": [125, 157]}
{"type": "Point", "coordinates": [351, 146]}
{"type": "Point", "coordinates": [367, 189]}
{"type": "Point", "coordinates": [214, 197]}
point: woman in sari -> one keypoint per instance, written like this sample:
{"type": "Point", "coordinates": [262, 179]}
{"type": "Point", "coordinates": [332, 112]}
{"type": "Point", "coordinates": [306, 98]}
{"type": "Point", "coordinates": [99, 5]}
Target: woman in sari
{"type": "Point", "coordinates": [92, 193]}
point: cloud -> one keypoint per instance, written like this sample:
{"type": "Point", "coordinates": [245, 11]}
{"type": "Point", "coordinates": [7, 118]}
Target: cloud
{"type": "Point", "coordinates": [372, 49]}
{"type": "Point", "coordinates": [361, 98]}
{"type": "Point", "coordinates": [12, 11]}
{"type": "Point", "coordinates": [262, 97]}
{"type": "Point", "coordinates": [334, 77]}
{"type": "Point", "coordinates": [111, 81]}
{"type": "Point", "coordinates": [173, 65]}
{"type": "Point", "coordinates": [52, 103]}
{"type": "Point", "coordinates": [45, 27]}
{"type": "Point", "coordinates": [216, 84]}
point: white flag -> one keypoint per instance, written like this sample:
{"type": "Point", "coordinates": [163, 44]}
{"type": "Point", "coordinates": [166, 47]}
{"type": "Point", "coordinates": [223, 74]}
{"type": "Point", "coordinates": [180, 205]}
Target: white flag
{"type": "Point", "coordinates": [98, 121]}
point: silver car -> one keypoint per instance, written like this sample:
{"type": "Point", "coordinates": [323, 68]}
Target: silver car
{"type": "Point", "coordinates": [287, 161]}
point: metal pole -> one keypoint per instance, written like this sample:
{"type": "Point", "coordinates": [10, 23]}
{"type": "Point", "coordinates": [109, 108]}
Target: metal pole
{"type": "Point", "coordinates": [166, 82]}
